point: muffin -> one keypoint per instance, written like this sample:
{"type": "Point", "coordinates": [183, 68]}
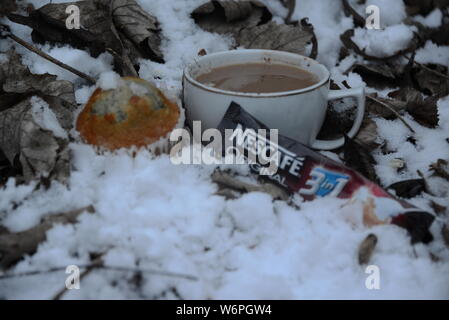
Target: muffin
{"type": "Point", "coordinates": [135, 113]}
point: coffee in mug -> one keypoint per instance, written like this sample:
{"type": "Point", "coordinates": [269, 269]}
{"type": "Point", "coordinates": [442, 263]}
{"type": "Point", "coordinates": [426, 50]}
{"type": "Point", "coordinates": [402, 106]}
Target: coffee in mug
{"type": "Point", "coordinates": [297, 113]}
{"type": "Point", "coordinates": [258, 78]}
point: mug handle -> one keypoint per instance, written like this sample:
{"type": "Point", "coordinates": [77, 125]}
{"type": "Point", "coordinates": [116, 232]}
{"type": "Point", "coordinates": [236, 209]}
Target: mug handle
{"type": "Point", "coordinates": [359, 94]}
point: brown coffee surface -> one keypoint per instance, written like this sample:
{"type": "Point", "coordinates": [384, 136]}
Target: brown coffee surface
{"type": "Point", "coordinates": [258, 78]}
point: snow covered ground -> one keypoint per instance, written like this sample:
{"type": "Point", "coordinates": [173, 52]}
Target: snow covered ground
{"type": "Point", "coordinates": [151, 214]}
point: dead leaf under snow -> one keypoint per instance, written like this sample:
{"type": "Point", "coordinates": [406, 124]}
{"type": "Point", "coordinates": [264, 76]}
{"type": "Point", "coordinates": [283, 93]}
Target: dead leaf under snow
{"type": "Point", "coordinates": [24, 136]}
{"type": "Point", "coordinates": [423, 110]}
{"type": "Point", "coordinates": [121, 27]}
{"type": "Point", "coordinates": [360, 159]}
{"type": "Point", "coordinates": [367, 135]}
{"type": "Point", "coordinates": [432, 83]}
{"type": "Point", "coordinates": [440, 169]}
{"type": "Point", "coordinates": [346, 39]}
{"type": "Point", "coordinates": [7, 6]}
{"type": "Point", "coordinates": [409, 188]}
{"type": "Point", "coordinates": [229, 16]}
{"type": "Point", "coordinates": [273, 36]}
{"type": "Point", "coordinates": [249, 23]}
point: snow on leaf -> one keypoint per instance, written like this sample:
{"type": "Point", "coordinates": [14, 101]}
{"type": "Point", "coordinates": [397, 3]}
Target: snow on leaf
{"type": "Point", "coordinates": [229, 17]}
{"type": "Point", "coordinates": [138, 26]}
{"type": "Point", "coordinates": [121, 27]}
{"type": "Point", "coordinates": [409, 188]}
{"type": "Point", "coordinates": [359, 158]}
{"type": "Point", "coordinates": [249, 23]}
{"type": "Point", "coordinates": [292, 38]}
{"type": "Point", "coordinates": [39, 151]}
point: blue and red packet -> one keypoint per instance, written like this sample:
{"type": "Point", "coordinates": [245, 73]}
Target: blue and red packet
{"type": "Point", "coordinates": [302, 170]}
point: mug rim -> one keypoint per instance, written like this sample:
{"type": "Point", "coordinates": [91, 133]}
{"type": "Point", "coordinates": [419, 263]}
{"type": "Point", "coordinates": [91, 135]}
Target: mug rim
{"type": "Point", "coordinates": [200, 85]}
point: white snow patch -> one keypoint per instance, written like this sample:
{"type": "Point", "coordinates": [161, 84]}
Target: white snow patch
{"type": "Point", "coordinates": [329, 22]}
{"type": "Point", "coordinates": [432, 53]}
{"type": "Point", "coordinates": [109, 80]}
{"type": "Point", "coordinates": [383, 43]}
{"type": "Point", "coordinates": [432, 20]}
{"type": "Point", "coordinates": [45, 117]}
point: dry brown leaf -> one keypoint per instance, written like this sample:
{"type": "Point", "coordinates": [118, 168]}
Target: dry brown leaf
{"type": "Point", "coordinates": [229, 182]}
{"type": "Point", "coordinates": [7, 6]}
{"type": "Point", "coordinates": [366, 249]}
{"type": "Point", "coordinates": [249, 23]}
{"type": "Point", "coordinates": [423, 110]}
{"type": "Point", "coordinates": [38, 150]}
{"type": "Point", "coordinates": [430, 82]}
{"type": "Point", "coordinates": [445, 234]}
{"type": "Point", "coordinates": [13, 246]}
{"type": "Point", "coordinates": [409, 188]}
{"type": "Point", "coordinates": [229, 16]}
{"type": "Point", "coordinates": [359, 21]}
{"type": "Point", "coordinates": [367, 135]}
{"type": "Point", "coordinates": [291, 38]}
{"type": "Point", "coordinates": [138, 26]}
{"type": "Point", "coordinates": [359, 158]}
{"type": "Point", "coordinates": [346, 39]}
{"type": "Point", "coordinates": [121, 27]}
{"type": "Point", "coordinates": [440, 169]}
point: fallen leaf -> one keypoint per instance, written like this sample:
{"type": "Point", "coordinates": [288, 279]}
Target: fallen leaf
{"type": "Point", "coordinates": [438, 208]}
{"type": "Point", "coordinates": [409, 188]}
{"type": "Point", "coordinates": [228, 182]}
{"type": "Point", "coordinates": [359, 21]}
{"type": "Point", "coordinates": [421, 7]}
{"type": "Point", "coordinates": [14, 246]}
{"type": "Point", "coordinates": [275, 36]}
{"type": "Point", "coordinates": [23, 138]}
{"type": "Point", "coordinates": [445, 234]}
{"type": "Point", "coordinates": [120, 27]}
{"type": "Point", "coordinates": [7, 7]}
{"type": "Point", "coordinates": [440, 169]}
{"type": "Point", "coordinates": [423, 111]}
{"type": "Point", "coordinates": [378, 75]}
{"type": "Point", "coordinates": [367, 135]}
{"type": "Point", "coordinates": [360, 159]}
{"type": "Point", "coordinates": [346, 39]}
{"type": "Point", "coordinates": [229, 16]}
{"type": "Point", "coordinates": [366, 249]}
{"type": "Point", "coordinates": [248, 22]}
{"type": "Point", "coordinates": [138, 26]}
{"type": "Point", "coordinates": [430, 82]}
{"type": "Point", "coordinates": [380, 110]}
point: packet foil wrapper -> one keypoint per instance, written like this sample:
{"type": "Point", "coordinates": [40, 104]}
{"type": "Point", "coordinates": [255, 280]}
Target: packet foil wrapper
{"type": "Point", "coordinates": [302, 170]}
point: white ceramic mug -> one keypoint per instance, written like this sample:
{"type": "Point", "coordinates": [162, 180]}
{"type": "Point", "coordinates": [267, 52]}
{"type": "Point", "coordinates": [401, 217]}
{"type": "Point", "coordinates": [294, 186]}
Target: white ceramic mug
{"type": "Point", "coordinates": [297, 114]}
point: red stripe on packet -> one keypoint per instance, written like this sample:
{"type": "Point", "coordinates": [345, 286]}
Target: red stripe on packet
{"type": "Point", "coordinates": [312, 175]}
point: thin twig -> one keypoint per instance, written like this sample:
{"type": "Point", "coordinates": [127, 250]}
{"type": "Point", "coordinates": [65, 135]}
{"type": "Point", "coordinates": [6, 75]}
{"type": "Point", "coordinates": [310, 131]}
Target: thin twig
{"type": "Point", "coordinates": [50, 58]}
{"type": "Point", "coordinates": [392, 110]}
{"type": "Point", "coordinates": [427, 68]}
{"type": "Point", "coordinates": [93, 266]}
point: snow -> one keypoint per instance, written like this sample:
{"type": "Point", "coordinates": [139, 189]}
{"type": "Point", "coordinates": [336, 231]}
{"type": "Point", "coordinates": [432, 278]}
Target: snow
{"type": "Point", "coordinates": [45, 117]}
{"type": "Point", "coordinates": [383, 43]}
{"type": "Point", "coordinates": [153, 215]}
{"type": "Point", "coordinates": [432, 53]}
{"type": "Point", "coordinates": [432, 20]}
{"type": "Point", "coordinates": [329, 22]}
